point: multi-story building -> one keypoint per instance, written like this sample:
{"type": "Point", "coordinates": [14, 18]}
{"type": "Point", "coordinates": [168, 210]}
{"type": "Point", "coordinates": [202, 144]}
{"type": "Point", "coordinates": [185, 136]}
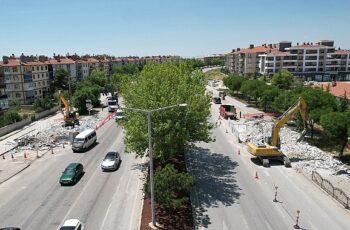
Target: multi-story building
{"type": "Point", "coordinates": [68, 64]}
{"type": "Point", "coordinates": [318, 62]}
{"type": "Point", "coordinates": [4, 104]}
{"type": "Point", "coordinates": [26, 78]}
{"type": "Point", "coordinates": [246, 61]}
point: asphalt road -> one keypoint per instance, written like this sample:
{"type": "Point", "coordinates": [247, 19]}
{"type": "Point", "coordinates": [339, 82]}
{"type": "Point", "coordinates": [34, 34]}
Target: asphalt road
{"type": "Point", "coordinates": [34, 199]}
{"type": "Point", "coordinates": [228, 196]}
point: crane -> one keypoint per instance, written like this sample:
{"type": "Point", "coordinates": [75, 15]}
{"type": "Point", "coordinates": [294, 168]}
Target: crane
{"type": "Point", "coordinates": [70, 118]}
{"type": "Point", "coordinates": [271, 150]}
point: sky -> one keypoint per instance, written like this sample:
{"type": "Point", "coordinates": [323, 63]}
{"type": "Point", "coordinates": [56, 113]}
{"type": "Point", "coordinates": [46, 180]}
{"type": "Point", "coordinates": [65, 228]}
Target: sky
{"type": "Point", "coordinates": [189, 28]}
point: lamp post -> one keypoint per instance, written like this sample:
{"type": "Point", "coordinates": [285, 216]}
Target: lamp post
{"type": "Point", "coordinates": [149, 122]}
{"type": "Point", "coordinates": [296, 226]}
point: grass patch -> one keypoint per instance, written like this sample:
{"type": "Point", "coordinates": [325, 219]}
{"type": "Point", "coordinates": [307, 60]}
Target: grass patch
{"type": "Point", "coordinates": [214, 74]}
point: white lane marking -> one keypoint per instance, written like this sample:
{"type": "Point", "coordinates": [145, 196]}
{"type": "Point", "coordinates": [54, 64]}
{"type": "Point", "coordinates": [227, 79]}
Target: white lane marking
{"type": "Point", "coordinates": [224, 226]}
{"type": "Point", "coordinates": [135, 201]}
{"type": "Point", "coordinates": [109, 206]}
{"type": "Point", "coordinates": [79, 196]}
{"type": "Point", "coordinates": [268, 225]}
{"type": "Point", "coordinates": [245, 221]}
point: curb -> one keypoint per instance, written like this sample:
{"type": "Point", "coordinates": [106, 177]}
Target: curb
{"type": "Point", "coordinates": [15, 173]}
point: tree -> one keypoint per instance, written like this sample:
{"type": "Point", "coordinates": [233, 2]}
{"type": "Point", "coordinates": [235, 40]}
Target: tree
{"type": "Point", "coordinates": [9, 117]}
{"type": "Point", "coordinates": [98, 79]}
{"type": "Point", "coordinates": [60, 80]}
{"type": "Point", "coordinates": [268, 96]}
{"type": "Point", "coordinates": [234, 82]}
{"type": "Point", "coordinates": [253, 89]}
{"type": "Point", "coordinates": [129, 69]}
{"type": "Point", "coordinates": [337, 126]}
{"type": "Point", "coordinates": [160, 85]}
{"type": "Point", "coordinates": [42, 104]}
{"type": "Point", "coordinates": [283, 79]}
{"type": "Point", "coordinates": [172, 187]}
{"type": "Point", "coordinates": [85, 92]}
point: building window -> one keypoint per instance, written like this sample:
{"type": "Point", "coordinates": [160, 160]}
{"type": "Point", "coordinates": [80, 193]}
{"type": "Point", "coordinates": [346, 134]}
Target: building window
{"type": "Point", "coordinates": [34, 84]}
{"type": "Point", "coordinates": [18, 95]}
{"type": "Point", "coordinates": [35, 92]}
{"type": "Point", "coordinates": [39, 91]}
{"type": "Point", "coordinates": [14, 69]}
{"type": "Point", "coordinates": [32, 68]}
{"type": "Point", "coordinates": [46, 67]}
{"type": "Point", "coordinates": [41, 67]}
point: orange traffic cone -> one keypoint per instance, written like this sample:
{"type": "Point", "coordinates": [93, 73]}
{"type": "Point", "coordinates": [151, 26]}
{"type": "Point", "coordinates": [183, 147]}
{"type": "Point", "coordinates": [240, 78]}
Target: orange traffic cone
{"type": "Point", "coordinates": [256, 175]}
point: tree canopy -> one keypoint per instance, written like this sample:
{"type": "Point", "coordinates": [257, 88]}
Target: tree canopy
{"type": "Point", "coordinates": [283, 79]}
{"type": "Point", "coordinates": [160, 85]}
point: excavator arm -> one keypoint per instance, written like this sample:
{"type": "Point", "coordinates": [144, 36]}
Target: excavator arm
{"type": "Point", "coordinates": [300, 106]}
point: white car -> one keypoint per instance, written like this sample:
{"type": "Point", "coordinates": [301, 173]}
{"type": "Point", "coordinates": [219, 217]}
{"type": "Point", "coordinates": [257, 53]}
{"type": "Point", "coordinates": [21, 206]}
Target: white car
{"type": "Point", "coordinates": [111, 161]}
{"type": "Point", "coordinates": [119, 115]}
{"type": "Point", "coordinates": [72, 224]}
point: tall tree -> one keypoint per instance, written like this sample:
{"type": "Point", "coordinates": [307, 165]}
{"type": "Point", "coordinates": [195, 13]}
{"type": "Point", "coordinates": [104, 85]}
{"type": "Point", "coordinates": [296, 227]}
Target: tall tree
{"type": "Point", "coordinates": [283, 79]}
{"type": "Point", "coordinates": [253, 89]}
{"type": "Point", "coordinates": [337, 126]}
{"type": "Point", "coordinates": [268, 96]}
{"type": "Point", "coordinates": [60, 80]}
{"type": "Point", "coordinates": [159, 86]}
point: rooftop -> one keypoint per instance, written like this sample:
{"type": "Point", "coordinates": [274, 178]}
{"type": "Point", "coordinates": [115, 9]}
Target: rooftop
{"type": "Point", "coordinates": [339, 90]}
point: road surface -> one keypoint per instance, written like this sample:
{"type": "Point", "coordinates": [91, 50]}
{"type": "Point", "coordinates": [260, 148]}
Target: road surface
{"type": "Point", "coordinates": [229, 196]}
{"type": "Point", "coordinates": [34, 199]}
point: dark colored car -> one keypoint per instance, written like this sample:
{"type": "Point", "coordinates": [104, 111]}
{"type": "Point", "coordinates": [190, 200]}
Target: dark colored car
{"type": "Point", "coordinates": [110, 162]}
{"type": "Point", "coordinates": [217, 100]}
{"type": "Point", "coordinates": [72, 174]}
{"type": "Point", "coordinates": [10, 228]}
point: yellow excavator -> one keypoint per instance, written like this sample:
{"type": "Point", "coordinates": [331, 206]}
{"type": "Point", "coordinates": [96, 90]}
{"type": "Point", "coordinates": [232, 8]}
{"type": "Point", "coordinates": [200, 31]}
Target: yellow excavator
{"type": "Point", "coordinates": [71, 118]}
{"type": "Point", "coordinates": [271, 149]}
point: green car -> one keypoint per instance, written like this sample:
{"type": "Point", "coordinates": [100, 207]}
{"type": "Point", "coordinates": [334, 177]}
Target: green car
{"type": "Point", "coordinates": [71, 174]}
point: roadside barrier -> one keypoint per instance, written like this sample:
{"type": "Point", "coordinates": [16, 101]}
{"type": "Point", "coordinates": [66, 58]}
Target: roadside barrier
{"type": "Point", "coordinates": [327, 186]}
{"type": "Point", "coordinates": [104, 121]}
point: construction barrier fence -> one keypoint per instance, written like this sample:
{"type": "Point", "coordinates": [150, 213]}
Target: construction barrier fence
{"type": "Point", "coordinates": [327, 186]}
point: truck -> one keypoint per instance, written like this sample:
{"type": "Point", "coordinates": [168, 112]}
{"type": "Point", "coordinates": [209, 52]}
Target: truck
{"type": "Point", "coordinates": [228, 111]}
{"type": "Point", "coordinates": [112, 104]}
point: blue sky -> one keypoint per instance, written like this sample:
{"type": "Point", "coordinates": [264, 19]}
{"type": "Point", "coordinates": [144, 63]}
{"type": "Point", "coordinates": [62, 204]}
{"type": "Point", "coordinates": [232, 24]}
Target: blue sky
{"type": "Point", "coordinates": [189, 28]}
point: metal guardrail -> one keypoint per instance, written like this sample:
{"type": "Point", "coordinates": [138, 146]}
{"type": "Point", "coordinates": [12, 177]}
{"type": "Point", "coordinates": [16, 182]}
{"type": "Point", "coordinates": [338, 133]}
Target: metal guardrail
{"type": "Point", "coordinates": [327, 186]}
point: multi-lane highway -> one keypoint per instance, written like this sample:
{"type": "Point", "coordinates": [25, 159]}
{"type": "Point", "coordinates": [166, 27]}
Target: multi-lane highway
{"type": "Point", "coordinates": [228, 196]}
{"type": "Point", "coordinates": [34, 199]}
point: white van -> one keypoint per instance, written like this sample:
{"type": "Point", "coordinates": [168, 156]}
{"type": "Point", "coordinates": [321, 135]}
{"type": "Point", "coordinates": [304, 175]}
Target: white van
{"type": "Point", "coordinates": [84, 140]}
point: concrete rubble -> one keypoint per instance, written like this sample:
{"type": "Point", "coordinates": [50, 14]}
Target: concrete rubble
{"type": "Point", "coordinates": [304, 156]}
{"type": "Point", "coordinates": [53, 134]}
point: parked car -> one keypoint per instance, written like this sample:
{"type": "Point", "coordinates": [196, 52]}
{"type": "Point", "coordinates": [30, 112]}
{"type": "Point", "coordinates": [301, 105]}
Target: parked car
{"type": "Point", "coordinates": [72, 224]}
{"type": "Point", "coordinates": [110, 162]}
{"type": "Point", "coordinates": [72, 173]}
{"type": "Point", "coordinates": [217, 100]}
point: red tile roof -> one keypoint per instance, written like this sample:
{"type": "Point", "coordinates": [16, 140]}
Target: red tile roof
{"type": "Point", "coordinates": [257, 49]}
{"type": "Point", "coordinates": [61, 61]}
{"type": "Point", "coordinates": [338, 90]}
{"type": "Point", "coordinates": [12, 63]}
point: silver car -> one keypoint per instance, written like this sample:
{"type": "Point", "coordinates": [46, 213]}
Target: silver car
{"type": "Point", "coordinates": [110, 162]}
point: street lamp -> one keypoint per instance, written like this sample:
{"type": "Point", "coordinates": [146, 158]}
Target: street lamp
{"type": "Point", "coordinates": [149, 122]}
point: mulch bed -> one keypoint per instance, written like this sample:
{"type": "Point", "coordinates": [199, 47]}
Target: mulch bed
{"type": "Point", "coordinates": [179, 219]}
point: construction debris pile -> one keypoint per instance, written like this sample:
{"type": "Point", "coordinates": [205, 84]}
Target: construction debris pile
{"type": "Point", "coordinates": [53, 134]}
{"type": "Point", "coordinates": [304, 156]}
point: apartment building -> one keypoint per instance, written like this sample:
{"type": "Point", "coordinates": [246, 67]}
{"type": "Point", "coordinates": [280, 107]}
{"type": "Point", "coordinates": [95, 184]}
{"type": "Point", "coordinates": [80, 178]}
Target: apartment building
{"type": "Point", "coordinates": [246, 61]}
{"type": "Point", "coordinates": [316, 62]}
{"type": "Point", "coordinates": [61, 62]}
{"type": "Point", "coordinates": [4, 104]}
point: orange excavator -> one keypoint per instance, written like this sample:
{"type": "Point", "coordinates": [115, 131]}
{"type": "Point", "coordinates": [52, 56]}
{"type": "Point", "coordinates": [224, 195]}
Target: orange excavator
{"type": "Point", "coordinates": [70, 117]}
{"type": "Point", "coordinates": [271, 149]}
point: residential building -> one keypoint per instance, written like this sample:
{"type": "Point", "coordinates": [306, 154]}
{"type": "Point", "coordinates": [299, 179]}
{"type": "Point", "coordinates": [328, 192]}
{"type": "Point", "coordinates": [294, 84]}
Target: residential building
{"type": "Point", "coordinates": [66, 63]}
{"type": "Point", "coordinates": [316, 62]}
{"type": "Point", "coordinates": [26, 78]}
{"type": "Point", "coordinates": [4, 104]}
{"type": "Point", "coordinates": [246, 61]}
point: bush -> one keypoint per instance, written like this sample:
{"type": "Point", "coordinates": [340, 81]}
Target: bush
{"type": "Point", "coordinates": [42, 104]}
{"type": "Point", "coordinates": [9, 117]}
{"type": "Point", "coordinates": [172, 187]}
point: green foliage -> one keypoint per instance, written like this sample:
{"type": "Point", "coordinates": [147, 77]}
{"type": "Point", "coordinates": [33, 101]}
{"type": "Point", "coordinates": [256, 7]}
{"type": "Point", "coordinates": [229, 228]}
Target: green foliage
{"type": "Point", "coordinates": [234, 82]}
{"type": "Point", "coordinates": [161, 85]}
{"type": "Point", "coordinates": [60, 81]}
{"type": "Point", "coordinates": [193, 63]}
{"type": "Point", "coordinates": [214, 61]}
{"type": "Point", "coordinates": [15, 104]}
{"type": "Point", "coordinates": [9, 117]}
{"type": "Point", "coordinates": [42, 104]}
{"type": "Point", "coordinates": [85, 93]}
{"type": "Point", "coordinates": [119, 79]}
{"type": "Point", "coordinates": [98, 79]}
{"type": "Point", "coordinates": [253, 89]}
{"type": "Point", "coordinates": [268, 96]}
{"type": "Point", "coordinates": [283, 79]}
{"type": "Point", "coordinates": [337, 126]}
{"type": "Point", "coordinates": [172, 188]}
{"type": "Point", "coordinates": [129, 69]}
